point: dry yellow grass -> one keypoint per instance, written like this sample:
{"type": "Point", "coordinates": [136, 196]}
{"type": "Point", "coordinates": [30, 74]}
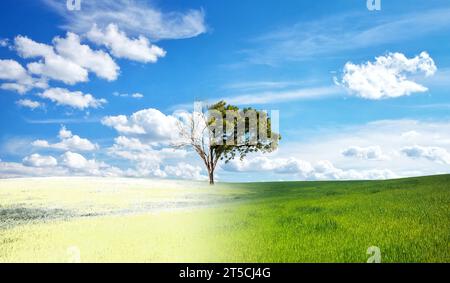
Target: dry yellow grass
{"type": "Point", "coordinates": [127, 220]}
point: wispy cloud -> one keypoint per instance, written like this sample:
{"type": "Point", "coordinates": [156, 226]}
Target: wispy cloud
{"type": "Point", "coordinates": [335, 34]}
{"type": "Point", "coordinates": [136, 95]}
{"type": "Point", "coordinates": [271, 96]}
{"type": "Point", "coordinates": [436, 106]}
{"type": "Point", "coordinates": [440, 79]}
{"type": "Point", "coordinates": [63, 121]}
{"type": "Point", "coordinates": [4, 42]}
{"type": "Point", "coordinates": [27, 103]}
{"type": "Point", "coordinates": [282, 96]}
{"type": "Point", "coordinates": [135, 17]}
{"type": "Point", "coordinates": [258, 85]}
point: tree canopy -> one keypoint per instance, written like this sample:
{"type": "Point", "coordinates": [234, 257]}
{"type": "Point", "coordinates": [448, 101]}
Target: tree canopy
{"type": "Point", "coordinates": [223, 132]}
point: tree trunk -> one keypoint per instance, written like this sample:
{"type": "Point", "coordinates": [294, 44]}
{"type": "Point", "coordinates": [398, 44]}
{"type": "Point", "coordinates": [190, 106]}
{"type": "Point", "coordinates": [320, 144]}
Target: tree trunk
{"type": "Point", "coordinates": [211, 177]}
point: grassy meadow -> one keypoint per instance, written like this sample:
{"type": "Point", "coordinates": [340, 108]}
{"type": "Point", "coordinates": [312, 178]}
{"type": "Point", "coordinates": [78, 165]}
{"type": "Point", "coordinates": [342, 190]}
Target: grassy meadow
{"type": "Point", "coordinates": [128, 220]}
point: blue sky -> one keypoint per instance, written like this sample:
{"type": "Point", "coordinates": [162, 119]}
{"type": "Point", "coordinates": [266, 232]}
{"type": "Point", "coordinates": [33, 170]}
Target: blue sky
{"type": "Point", "coordinates": [342, 115]}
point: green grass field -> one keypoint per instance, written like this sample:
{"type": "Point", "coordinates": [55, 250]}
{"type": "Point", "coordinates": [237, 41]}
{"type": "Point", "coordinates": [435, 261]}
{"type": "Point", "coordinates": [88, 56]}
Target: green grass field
{"type": "Point", "coordinates": [41, 220]}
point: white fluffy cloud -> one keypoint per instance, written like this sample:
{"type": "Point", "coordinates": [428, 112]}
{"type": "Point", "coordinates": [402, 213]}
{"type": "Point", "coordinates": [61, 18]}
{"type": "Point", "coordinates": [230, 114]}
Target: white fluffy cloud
{"type": "Point", "coordinates": [387, 77]}
{"type": "Point", "coordinates": [134, 149]}
{"type": "Point", "coordinates": [52, 65]}
{"type": "Point", "coordinates": [29, 103]}
{"type": "Point", "coordinates": [181, 170]}
{"type": "Point", "coordinates": [368, 153]}
{"type": "Point", "coordinates": [264, 164]}
{"type": "Point", "coordinates": [19, 79]}
{"type": "Point", "coordinates": [316, 158]}
{"type": "Point", "coordinates": [132, 144]}
{"type": "Point", "coordinates": [139, 49]}
{"type": "Point", "coordinates": [390, 135]}
{"type": "Point", "coordinates": [78, 164]}
{"type": "Point", "coordinates": [18, 170]}
{"type": "Point", "coordinates": [76, 161]}
{"type": "Point", "coordinates": [68, 141]}
{"type": "Point", "coordinates": [28, 48]}
{"type": "Point", "coordinates": [75, 99]}
{"type": "Point", "coordinates": [67, 60]}
{"type": "Point", "coordinates": [37, 160]}
{"type": "Point", "coordinates": [321, 170]}
{"type": "Point", "coordinates": [136, 17]}
{"type": "Point", "coordinates": [11, 70]}
{"type": "Point", "coordinates": [70, 164]}
{"type": "Point", "coordinates": [325, 170]}
{"type": "Point", "coordinates": [185, 171]}
{"type": "Point", "coordinates": [149, 124]}
{"type": "Point", "coordinates": [144, 157]}
{"type": "Point", "coordinates": [435, 154]}
{"type": "Point", "coordinates": [97, 62]}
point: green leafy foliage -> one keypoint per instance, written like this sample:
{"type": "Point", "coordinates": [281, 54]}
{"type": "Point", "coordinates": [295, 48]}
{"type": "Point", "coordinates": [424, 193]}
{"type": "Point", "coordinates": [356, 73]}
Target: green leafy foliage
{"type": "Point", "coordinates": [235, 145]}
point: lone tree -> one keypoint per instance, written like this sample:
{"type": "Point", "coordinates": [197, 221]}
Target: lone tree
{"type": "Point", "coordinates": [224, 132]}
